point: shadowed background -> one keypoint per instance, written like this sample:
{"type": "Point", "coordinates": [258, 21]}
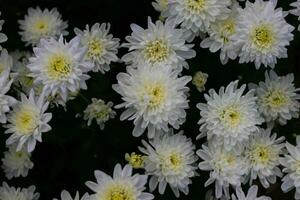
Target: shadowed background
{"type": "Point", "coordinates": [72, 151]}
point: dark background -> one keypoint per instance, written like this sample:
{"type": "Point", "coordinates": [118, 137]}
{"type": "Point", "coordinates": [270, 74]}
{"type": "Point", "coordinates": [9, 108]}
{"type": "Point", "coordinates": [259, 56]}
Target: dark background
{"type": "Point", "coordinates": [72, 151]}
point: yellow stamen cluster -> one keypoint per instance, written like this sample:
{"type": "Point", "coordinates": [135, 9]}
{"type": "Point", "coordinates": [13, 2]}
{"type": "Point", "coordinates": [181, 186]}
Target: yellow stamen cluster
{"type": "Point", "coordinates": [260, 154]}
{"type": "Point", "coordinates": [59, 67]}
{"type": "Point", "coordinates": [262, 37]}
{"type": "Point", "coordinates": [26, 119]}
{"type": "Point", "coordinates": [135, 160]}
{"type": "Point", "coordinates": [154, 94]}
{"type": "Point", "coordinates": [195, 5]}
{"type": "Point", "coordinates": [95, 48]}
{"type": "Point", "coordinates": [227, 29]}
{"type": "Point", "coordinates": [41, 26]}
{"type": "Point", "coordinates": [119, 192]}
{"type": "Point", "coordinates": [156, 51]}
{"type": "Point", "coordinates": [276, 99]}
{"type": "Point", "coordinates": [231, 116]}
{"type": "Point", "coordinates": [171, 162]}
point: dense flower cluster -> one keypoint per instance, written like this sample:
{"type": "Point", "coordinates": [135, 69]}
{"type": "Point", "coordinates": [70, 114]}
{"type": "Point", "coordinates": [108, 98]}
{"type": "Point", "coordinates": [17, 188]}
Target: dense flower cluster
{"type": "Point", "coordinates": [237, 123]}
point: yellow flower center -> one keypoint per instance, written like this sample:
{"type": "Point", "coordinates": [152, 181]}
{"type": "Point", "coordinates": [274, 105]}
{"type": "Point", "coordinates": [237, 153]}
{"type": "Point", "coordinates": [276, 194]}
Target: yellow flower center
{"type": "Point", "coordinates": [156, 51]}
{"type": "Point", "coordinates": [227, 30]}
{"type": "Point", "coordinates": [171, 162]}
{"type": "Point", "coordinates": [261, 154]}
{"type": "Point", "coordinates": [153, 94]}
{"type": "Point", "coordinates": [231, 116]}
{"type": "Point", "coordinates": [195, 5]}
{"type": "Point", "coordinates": [176, 161]}
{"type": "Point", "coordinates": [59, 67]}
{"type": "Point", "coordinates": [263, 37]}
{"type": "Point", "coordinates": [41, 26]}
{"type": "Point", "coordinates": [95, 48]}
{"type": "Point", "coordinates": [119, 192]}
{"type": "Point", "coordinates": [157, 95]}
{"type": "Point", "coordinates": [276, 99]}
{"type": "Point", "coordinates": [135, 160]}
{"type": "Point", "coordinates": [26, 120]}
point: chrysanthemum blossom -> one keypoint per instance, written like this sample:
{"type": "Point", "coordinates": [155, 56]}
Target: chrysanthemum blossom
{"type": "Point", "coordinates": [262, 33]}
{"type": "Point", "coordinates": [6, 101]}
{"type": "Point", "coordinates": [102, 48]}
{"type": "Point", "coordinates": [3, 37]}
{"type": "Point", "coordinates": [197, 15]}
{"type": "Point", "coordinates": [251, 195]}
{"type": "Point", "coordinates": [229, 116]}
{"type": "Point", "coordinates": [170, 160]}
{"type": "Point", "coordinates": [12, 193]}
{"type": "Point", "coordinates": [221, 34]}
{"type": "Point", "coordinates": [199, 80]}
{"type": "Point", "coordinates": [154, 98]}
{"type": "Point", "coordinates": [28, 121]}
{"type": "Point", "coordinates": [291, 165]}
{"type": "Point", "coordinates": [262, 153]}
{"type": "Point", "coordinates": [100, 111]}
{"type": "Point", "coordinates": [160, 44]}
{"type": "Point", "coordinates": [123, 185]}
{"type": "Point", "coordinates": [226, 168]}
{"type": "Point", "coordinates": [137, 161]}
{"type": "Point", "coordinates": [65, 195]}
{"type": "Point", "coordinates": [59, 66]}
{"type": "Point", "coordinates": [16, 163]}
{"type": "Point", "coordinates": [41, 24]}
{"type": "Point", "coordinates": [277, 98]}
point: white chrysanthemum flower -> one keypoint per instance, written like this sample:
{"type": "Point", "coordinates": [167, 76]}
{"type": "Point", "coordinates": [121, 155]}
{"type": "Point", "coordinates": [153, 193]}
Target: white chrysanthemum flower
{"type": "Point", "coordinates": [278, 98]}
{"type": "Point", "coordinates": [123, 185]}
{"type": "Point", "coordinates": [6, 61]}
{"type": "Point", "coordinates": [220, 35]}
{"type": "Point", "coordinates": [16, 163]}
{"type": "Point", "coordinates": [262, 33]}
{"type": "Point", "coordinates": [3, 37]}
{"type": "Point", "coordinates": [262, 153]}
{"type": "Point", "coordinates": [229, 116]}
{"type": "Point", "coordinates": [11, 193]}
{"type": "Point", "coordinates": [291, 163]}
{"type": "Point", "coordinates": [252, 194]}
{"type": "Point", "coordinates": [5, 101]}
{"type": "Point", "coordinates": [59, 66]}
{"type": "Point", "coordinates": [41, 24]}
{"type": "Point", "coordinates": [28, 121]}
{"type": "Point", "coordinates": [99, 111]}
{"type": "Point", "coordinates": [296, 10]}
{"type": "Point", "coordinates": [226, 167]}
{"type": "Point", "coordinates": [161, 44]}
{"type": "Point", "coordinates": [102, 48]}
{"type": "Point", "coordinates": [199, 80]}
{"type": "Point", "coordinates": [170, 159]}
{"type": "Point", "coordinates": [154, 98]}
{"type": "Point", "coordinates": [197, 15]}
{"type": "Point", "coordinates": [65, 195]}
